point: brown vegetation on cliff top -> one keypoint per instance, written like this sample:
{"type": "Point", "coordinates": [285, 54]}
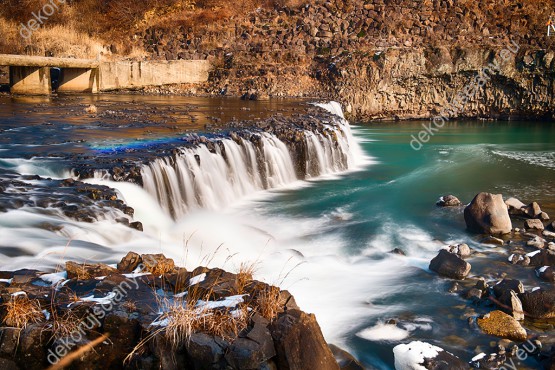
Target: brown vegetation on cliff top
{"type": "Point", "coordinates": [92, 26]}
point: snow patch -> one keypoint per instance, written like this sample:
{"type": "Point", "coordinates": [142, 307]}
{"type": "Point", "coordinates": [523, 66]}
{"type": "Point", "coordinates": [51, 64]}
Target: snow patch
{"type": "Point", "coordinates": [478, 357]}
{"type": "Point", "coordinates": [54, 278]}
{"type": "Point", "coordinates": [532, 254]}
{"type": "Point", "coordinates": [197, 279]}
{"type": "Point", "coordinates": [411, 356]}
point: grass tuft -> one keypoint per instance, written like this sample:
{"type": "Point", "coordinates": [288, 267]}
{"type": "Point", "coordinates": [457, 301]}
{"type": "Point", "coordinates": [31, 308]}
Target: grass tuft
{"type": "Point", "coordinates": [269, 303]}
{"type": "Point", "coordinates": [21, 311]}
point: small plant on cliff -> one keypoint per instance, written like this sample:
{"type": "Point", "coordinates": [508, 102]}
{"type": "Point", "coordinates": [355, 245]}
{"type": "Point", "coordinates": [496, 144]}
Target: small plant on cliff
{"type": "Point", "coordinates": [244, 276]}
{"type": "Point", "coordinates": [20, 311]}
{"type": "Point", "coordinates": [269, 302]}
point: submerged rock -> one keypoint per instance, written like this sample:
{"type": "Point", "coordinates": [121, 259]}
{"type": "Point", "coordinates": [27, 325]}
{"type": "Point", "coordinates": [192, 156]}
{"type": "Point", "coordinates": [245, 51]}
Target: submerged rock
{"type": "Point", "coordinates": [450, 265]}
{"type": "Point", "coordinates": [487, 213]}
{"type": "Point", "coordinates": [345, 360]}
{"type": "Point", "coordinates": [448, 201]}
{"type": "Point", "coordinates": [461, 250]}
{"type": "Point", "coordinates": [501, 325]}
{"type": "Point", "coordinates": [533, 224]}
{"type": "Point", "coordinates": [418, 355]}
{"type": "Point", "coordinates": [515, 206]}
{"type": "Point", "coordinates": [546, 273]}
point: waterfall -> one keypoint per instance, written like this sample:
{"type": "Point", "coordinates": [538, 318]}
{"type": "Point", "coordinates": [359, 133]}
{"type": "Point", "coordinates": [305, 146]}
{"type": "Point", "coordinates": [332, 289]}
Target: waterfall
{"type": "Point", "coordinates": [215, 176]}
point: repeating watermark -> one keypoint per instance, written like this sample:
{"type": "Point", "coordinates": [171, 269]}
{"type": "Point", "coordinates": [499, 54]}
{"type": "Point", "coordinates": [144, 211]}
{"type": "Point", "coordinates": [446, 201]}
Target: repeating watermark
{"type": "Point", "coordinates": [522, 354]}
{"type": "Point", "coordinates": [92, 320]}
{"type": "Point", "coordinates": [48, 10]}
{"type": "Point", "coordinates": [462, 97]}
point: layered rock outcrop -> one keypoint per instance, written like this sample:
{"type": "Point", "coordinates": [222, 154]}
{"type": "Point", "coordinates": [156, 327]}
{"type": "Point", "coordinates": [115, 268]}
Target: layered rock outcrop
{"type": "Point", "coordinates": [383, 59]}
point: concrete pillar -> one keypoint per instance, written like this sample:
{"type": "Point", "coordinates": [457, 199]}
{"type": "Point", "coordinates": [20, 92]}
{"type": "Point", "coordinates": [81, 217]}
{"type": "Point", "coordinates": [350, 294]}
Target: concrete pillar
{"type": "Point", "coordinates": [82, 80]}
{"type": "Point", "coordinates": [30, 80]}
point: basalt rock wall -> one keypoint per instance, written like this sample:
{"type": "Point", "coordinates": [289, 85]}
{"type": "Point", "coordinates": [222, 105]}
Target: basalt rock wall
{"type": "Point", "coordinates": [385, 59]}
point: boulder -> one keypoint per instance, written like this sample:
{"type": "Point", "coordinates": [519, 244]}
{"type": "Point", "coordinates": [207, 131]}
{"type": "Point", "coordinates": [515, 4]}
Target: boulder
{"type": "Point", "coordinates": [536, 242]}
{"type": "Point", "coordinates": [204, 351]}
{"type": "Point", "coordinates": [85, 271]}
{"type": "Point", "coordinates": [512, 304]}
{"type": "Point", "coordinates": [289, 330]}
{"type": "Point", "coordinates": [418, 355]}
{"type": "Point", "coordinates": [546, 273]}
{"type": "Point", "coordinates": [129, 263]}
{"type": "Point", "coordinates": [501, 325]}
{"type": "Point", "coordinates": [542, 257]}
{"type": "Point", "coordinates": [506, 285]}
{"type": "Point", "coordinates": [533, 210]}
{"type": "Point", "coordinates": [157, 264]}
{"type": "Point", "coordinates": [544, 216]}
{"type": "Point", "coordinates": [539, 304]}
{"type": "Point", "coordinates": [254, 350]}
{"type": "Point", "coordinates": [448, 201]}
{"type": "Point", "coordinates": [533, 224]}
{"type": "Point", "coordinates": [461, 250]}
{"type": "Point", "coordinates": [515, 207]}
{"type": "Point", "coordinates": [487, 213]}
{"type": "Point", "coordinates": [450, 265]}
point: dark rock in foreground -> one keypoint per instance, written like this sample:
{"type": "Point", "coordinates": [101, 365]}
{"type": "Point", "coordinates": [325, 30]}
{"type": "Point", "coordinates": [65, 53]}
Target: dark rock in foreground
{"type": "Point", "coordinates": [158, 316]}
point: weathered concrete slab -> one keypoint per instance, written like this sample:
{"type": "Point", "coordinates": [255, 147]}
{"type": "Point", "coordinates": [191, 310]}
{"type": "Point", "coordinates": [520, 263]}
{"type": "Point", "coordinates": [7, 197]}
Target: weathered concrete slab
{"type": "Point", "coordinates": [30, 80]}
{"type": "Point", "coordinates": [81, 80]}
{"type": "Point", "coordinates": [128, 75]}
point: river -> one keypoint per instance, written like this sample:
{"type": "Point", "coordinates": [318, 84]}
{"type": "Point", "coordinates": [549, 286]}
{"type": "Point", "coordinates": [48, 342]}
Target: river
{"type": "Point", "coordinates": [327, 240]}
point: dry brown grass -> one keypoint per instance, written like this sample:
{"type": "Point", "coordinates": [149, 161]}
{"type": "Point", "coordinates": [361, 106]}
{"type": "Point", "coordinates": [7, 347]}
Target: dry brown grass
{"type": "Point", "coordinates": [130, 306]}
{"type": "Point", "coordinates": [244, 276]}
{"type": "Point", "coordinates": [269, 303]}
{"type": "Point", "coordinates": [21, 311]}
{"type": "Point", "coordinates": [64, 325]}
{"type": "Point", "coordinates": [185, 318]}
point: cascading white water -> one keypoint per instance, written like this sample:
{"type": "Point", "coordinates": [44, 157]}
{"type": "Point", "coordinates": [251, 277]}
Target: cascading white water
{"type": "Point", "coordinates": [198, 178]}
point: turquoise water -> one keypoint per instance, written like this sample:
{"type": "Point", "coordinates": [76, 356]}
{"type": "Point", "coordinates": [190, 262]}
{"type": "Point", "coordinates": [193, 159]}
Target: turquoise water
{"type": "Point", "coordinates": [391, 204]}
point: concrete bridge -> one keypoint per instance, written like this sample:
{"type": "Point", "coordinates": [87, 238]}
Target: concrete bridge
{"type": "Point", "coordinates": [30, 75]}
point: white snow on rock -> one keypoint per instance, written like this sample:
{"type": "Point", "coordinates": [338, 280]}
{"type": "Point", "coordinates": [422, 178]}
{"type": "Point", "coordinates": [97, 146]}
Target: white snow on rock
{"type": "Point", "coordinates": [102, 300]}
{"type": "Point", "coordinates": [54, 278]}
{"type": "Point", "coordinates": [383, 332]}
{"type": "Point", "coordinates": [16, 294]}
{"type": "Point", "coordinates": [541, 270]}
{"type": "Point", "coordinates": [197, 279]}
{"type": "Point", "coordinates": [411, 356]}
{"type": "Point", "coordinates": [9, 281]}
{"type": "Point", "coordinates": [478, 357]}
{"type": "Point", "coordinates": [228, 302]}
{"type": "Point", "coordinates": [532, 254]}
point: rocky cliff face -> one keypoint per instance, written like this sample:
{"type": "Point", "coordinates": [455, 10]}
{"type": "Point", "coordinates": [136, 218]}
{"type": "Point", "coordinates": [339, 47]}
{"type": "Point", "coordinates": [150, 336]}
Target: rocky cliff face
{"type": "Point", "coordinates": [385, 59]}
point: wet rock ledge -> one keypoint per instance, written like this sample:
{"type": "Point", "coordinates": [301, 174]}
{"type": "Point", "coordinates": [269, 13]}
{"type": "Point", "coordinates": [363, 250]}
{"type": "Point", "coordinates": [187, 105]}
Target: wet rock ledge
{"type": "Point", "coordinates": [147, 313]}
